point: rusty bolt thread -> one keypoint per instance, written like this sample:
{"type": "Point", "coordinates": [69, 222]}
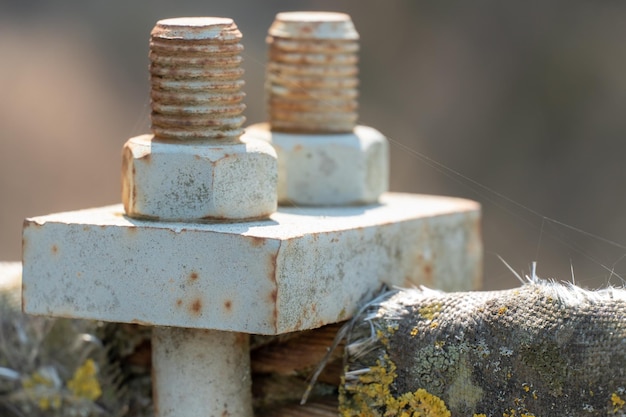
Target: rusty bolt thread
{"type": "Point", "coordinates": [195, 76]}
{"type": "Point", "coordinates": [312, 73]}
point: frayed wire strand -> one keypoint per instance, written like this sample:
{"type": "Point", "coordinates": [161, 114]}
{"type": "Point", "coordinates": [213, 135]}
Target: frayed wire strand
{"type": "Point", "coordinates": [341, 335]}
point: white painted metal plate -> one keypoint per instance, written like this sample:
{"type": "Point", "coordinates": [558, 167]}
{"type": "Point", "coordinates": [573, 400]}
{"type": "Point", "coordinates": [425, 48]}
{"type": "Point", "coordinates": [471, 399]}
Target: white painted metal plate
{"type": "Point", "coordinates": [300, 269]}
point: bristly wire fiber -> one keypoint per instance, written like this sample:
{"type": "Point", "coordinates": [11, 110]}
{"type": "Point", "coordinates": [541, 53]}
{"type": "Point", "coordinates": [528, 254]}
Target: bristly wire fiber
{"type": "Point", "coordinates": [343, 332]}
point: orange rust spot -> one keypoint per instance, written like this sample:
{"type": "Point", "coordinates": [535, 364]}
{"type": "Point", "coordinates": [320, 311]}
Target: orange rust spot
{"type": "Point", "coordinates": [225, 413]}
{"type": "Point", "coordinates": [196, 307]}
{"type": "Point", "coordinates": [274, 293]}
{"type": "Point", "coordinates": [131, 203]}
{"type": "Point", "coordinates": [129, 193]}
{"type": "Point", "coordinates": [427, 270]}
{"type": "Point", "coordinates": [193, 276]}
{"type": "Point", "coordinates": [55, 249]}
{"type": "Point", "coordinates": [125, 158]}
{"type": "Point", "coordinates": [28, 223]}
{"type": "Point", "coordinates": [314, 308]}
{"type": "Point", "coordinates": [297, 148]}
{"type": "Point", "coordinates": [147, 158]}
{"type": "Point", "coordinates": [272, 266]}
{"type": "Point", "coordinates": [179, 302]}
{"type": "Point", "coordinates": [241, 338]}
{"type": "Point", "coordinates": [228, 304]}
{"type": "Point", "coordinates": [257, 241]}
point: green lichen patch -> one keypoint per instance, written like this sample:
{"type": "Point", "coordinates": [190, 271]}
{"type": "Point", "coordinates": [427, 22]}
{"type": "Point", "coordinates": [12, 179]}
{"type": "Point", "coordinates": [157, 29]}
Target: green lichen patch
{"type": "Point", "coordinates": [547, 364]}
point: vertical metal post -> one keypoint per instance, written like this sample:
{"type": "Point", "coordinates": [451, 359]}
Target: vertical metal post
{"type": "Point", "coordinates": [201, 372]}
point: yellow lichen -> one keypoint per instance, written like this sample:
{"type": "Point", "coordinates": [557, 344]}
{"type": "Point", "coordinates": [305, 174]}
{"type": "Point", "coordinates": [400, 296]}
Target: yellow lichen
{"type": "Point", "coordinates": [414, 331]}
{"type": "Point", "coordinates": [430, 312]}
{"type": "Point", "coordinates": [52, 402]}
{"type": "Point", "coordinates": [480, 415]}
{"type": "Point", "coordinates": [420, 403]}
{"type": "Point", "coordinates": [373, 392]}
{"type": "Point", "coordinates": [617, 401]}
{"type": "Point", "coordinates": [84, 383]}
{"type": "Point", "coordinates": [382, 337]}
{"type": "Point", "coordinates": [40, 388]}
{"type": "Point", "coordinates": [502, 310]}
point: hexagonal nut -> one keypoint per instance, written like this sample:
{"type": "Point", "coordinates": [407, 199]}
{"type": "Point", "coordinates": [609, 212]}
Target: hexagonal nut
{"type": "Point", "coordinates": [328, 169]}
{"type": "Point", "coordinates": [198, 181]}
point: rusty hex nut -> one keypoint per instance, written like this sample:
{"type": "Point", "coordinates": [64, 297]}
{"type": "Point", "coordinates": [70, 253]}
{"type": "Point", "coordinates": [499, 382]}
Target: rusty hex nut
{"type": "Point", "coordinates": [198, 181]}
{"type": "Point", "coordinates": [328, 169]}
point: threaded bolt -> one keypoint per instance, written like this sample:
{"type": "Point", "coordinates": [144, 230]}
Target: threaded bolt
{"type": "Point", "coordinates": [195, 76]}
{"type": "Point", "coordinates": [195, 166]}
{"type": "Point", "coordinates": [312, 73]}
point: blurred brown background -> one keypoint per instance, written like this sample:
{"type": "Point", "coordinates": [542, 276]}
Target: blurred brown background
{"type": "Point", "coordinates": [527, 100]}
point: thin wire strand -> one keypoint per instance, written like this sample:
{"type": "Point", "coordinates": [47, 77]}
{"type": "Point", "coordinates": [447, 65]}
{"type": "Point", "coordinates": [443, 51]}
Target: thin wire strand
{"type": "Point", "coordinates": [488, 193]}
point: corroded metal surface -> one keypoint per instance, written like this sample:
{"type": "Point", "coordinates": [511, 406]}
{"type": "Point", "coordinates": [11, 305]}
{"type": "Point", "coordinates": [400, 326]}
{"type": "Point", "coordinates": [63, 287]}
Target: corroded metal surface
{"type": "Point", "coordinates": [543, 349]}
{"type": "Point", "coordinates": [324, 158]}
{"type": "Point", "coordinates": [195, 167]}
{"type": "Point", "coordinates": [196, 79]}
{"type": "Point", "coordinates": [328, 169]}
{"type": "Point", "coordinates": [312, 72]}
{"type": "Point", "coordinates": [203, 285]}
{"type": "Point", "coordinates": [300, 269]}
{"type": "Point", "coordinates": [198, 181]}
